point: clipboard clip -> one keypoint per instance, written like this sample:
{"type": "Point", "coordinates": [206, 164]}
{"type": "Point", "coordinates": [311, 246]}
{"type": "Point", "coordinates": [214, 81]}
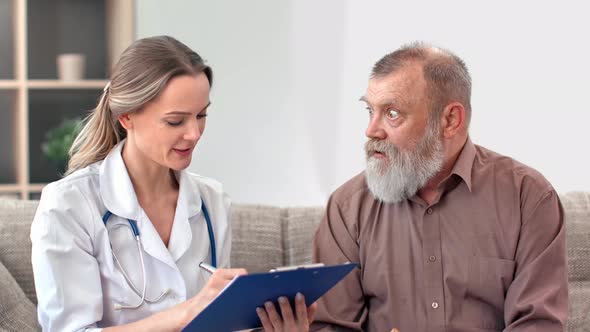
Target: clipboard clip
{"type": "Point", "coordinates": [296, 267]}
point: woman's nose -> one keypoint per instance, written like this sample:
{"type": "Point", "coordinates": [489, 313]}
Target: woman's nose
{"type": "Point", "coordinates": [193, 132]}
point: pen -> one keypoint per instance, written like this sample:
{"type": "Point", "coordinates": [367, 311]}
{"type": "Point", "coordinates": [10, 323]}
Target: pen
{"type": "Point", "coordinates": [207, 267]}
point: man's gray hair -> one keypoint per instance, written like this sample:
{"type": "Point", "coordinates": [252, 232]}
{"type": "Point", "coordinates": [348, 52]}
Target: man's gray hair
{"type": "Point", "coordinates": [446, 75]}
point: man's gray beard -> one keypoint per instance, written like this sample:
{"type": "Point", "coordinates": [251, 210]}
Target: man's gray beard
{"type": "Point", "coordinates": [403, 173]}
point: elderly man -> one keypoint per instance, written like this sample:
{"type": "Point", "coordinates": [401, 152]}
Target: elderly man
{"type": "Point", "coordinates": [450, 236]}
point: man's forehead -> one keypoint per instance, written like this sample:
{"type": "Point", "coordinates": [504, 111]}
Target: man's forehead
{"type": "Point", "coordinates": [406, 76]}
{"type": "Point", "coordinates": [397, 87]}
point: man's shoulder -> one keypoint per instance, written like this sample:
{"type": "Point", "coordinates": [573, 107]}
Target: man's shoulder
{"type": "Point", "coordinates": [507, 170]}
{"type": "Point", "coordinates": [353, 189]}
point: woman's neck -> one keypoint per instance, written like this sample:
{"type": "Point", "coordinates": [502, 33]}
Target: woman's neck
{"type": "Point", "coordinates": [149, 179]}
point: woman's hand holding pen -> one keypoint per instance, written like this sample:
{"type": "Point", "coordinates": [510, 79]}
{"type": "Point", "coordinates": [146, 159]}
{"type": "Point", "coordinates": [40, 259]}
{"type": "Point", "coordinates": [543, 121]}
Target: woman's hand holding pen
{"type": "Point", "coordinates": [179, 316]}
{"type": "Point", "coordinates": [218, 280]}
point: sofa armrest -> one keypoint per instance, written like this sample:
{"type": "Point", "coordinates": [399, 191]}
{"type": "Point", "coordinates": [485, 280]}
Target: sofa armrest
{"type": "Point", "coordinates": [17, 312]}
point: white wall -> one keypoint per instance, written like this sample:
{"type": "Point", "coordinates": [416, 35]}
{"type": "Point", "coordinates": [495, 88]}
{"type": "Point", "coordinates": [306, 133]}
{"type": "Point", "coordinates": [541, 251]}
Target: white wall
{"type": "Point", "coordinates": [286, 126]}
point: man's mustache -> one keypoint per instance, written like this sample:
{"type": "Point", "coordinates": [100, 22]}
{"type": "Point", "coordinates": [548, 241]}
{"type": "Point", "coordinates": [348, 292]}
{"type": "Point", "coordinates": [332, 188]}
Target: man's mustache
{"type": "Point", "coordinates": [381, 146]}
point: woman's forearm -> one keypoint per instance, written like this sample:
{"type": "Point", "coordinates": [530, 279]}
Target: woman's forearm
{"type": "Point", "coordinates": [162, 321]}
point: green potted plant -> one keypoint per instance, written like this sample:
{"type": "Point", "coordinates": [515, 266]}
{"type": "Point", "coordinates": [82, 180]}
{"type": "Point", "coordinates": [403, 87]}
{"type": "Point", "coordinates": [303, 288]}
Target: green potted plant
{"type": "Point", "coordinates": [58, 142]}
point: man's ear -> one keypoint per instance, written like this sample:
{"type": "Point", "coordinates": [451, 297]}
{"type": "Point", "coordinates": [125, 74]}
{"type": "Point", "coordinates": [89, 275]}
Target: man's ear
{"type": "Point", "coordinates": [125, 121]}
{"type": "Point", "coordinates": [452, 119]}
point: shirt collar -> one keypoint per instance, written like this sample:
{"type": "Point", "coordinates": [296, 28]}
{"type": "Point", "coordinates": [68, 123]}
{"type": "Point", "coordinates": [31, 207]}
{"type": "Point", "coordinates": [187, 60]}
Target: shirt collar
{"type": "Point", "coordinates": [464, 164]}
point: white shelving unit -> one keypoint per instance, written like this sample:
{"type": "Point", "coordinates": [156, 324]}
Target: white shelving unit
{"type": "Point", "coordinates": [31, 96]}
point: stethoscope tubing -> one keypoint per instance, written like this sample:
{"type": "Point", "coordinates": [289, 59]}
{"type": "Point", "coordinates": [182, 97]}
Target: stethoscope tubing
{"type": "Point", "coordinates": [136, 235]}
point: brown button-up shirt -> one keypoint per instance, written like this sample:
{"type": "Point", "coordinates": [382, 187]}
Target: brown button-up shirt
{"type": "Point", "coordinates": [488, 254]}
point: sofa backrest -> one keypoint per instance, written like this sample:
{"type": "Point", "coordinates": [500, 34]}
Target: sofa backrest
{"type": "Point", "coordinates": [265, 237]}
{"type": "Point", "coordinates": [576, 206]}
{"type": "Point", "coordinates": [15, 242]}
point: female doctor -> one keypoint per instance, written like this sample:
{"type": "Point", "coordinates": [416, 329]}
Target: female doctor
{"type": "Point", "coordinates": [118, 241]}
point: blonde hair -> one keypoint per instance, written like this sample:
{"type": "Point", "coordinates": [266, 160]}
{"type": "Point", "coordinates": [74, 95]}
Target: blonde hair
{"type": "Point", "coordinates": [142, 72]}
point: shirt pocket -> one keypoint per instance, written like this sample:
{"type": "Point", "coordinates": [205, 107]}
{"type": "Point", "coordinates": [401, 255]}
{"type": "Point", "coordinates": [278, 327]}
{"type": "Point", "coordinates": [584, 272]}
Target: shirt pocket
{"type": "Point", "coordinates": [488, 282]}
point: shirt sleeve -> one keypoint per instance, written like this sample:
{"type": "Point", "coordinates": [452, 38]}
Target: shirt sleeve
{"type": "Point", "coordinates": [537, 299]}
{"type": "Point", "coordinates": [67, 278]}
{"type": "Point", "coordinates": [343, 307]}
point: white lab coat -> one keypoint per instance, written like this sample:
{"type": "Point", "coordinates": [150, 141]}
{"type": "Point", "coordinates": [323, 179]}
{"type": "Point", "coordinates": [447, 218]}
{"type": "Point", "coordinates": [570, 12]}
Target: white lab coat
{"type": "Point", "coordinates": [76, 278]}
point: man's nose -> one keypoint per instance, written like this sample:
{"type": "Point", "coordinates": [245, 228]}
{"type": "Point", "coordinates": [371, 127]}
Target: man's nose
{"type": "Point", "coordinates": [375, 129]}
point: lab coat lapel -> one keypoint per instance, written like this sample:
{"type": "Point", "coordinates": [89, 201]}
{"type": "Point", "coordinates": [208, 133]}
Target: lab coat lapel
{"type": "Point", "coordinates": [152, 242]}
{"type": "Point", "coordinates": [119, 197]}
{"type": "Point", "coordinates": [182, 235]}
{"type": "Point", "coordinates": [116, 189]}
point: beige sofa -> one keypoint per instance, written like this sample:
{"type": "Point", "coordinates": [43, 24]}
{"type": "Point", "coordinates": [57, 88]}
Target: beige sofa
{"type": "Point", "coordinates": [263, 237]}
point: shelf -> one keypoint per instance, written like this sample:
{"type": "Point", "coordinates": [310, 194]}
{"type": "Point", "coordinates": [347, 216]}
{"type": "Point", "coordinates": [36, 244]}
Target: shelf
{"type": "Point", "coordinates": [36, 187]}
{"type": "Point", "coordinates": [66, 26]}
{"type": "Point", "coordinates": [47, 110]}
{"type": "Point", "coordinates": [57, 84]}
{"type": "Point", "coordinates": [33, 100]}
{"type": "Point", "coordinates": [7, 45]}
{"type": "Point", "coordinates": [53, 84]}
{"type": "Point", "coordinates": [8, 148]}
{"type": "Point", "coordinates": [10, 188]}
{"type": "Point", "coordinates": [10, 84]}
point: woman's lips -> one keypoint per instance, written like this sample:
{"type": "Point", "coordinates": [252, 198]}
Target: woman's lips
{"type": "Point", "coordinates": [183, 152]}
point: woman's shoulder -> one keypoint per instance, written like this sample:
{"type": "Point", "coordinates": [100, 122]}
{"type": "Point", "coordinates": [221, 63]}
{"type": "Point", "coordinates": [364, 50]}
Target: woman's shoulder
{"type": "Point", "coordinates": [68, 205]}
{"type": "Point", "coordinates": [209, 189]}
{"type": "Point", "coordinates": [205, 183]}
{"type": "Point", "coordinates": [78, 178]}
{"type": "Point", "coordinates": [80, 185]}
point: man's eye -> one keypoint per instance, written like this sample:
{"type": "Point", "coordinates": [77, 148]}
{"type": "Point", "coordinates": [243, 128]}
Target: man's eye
{"type": "Point", "coordinates": [370, 111]}
{"type": "Point", "coordinates": [392, 114]}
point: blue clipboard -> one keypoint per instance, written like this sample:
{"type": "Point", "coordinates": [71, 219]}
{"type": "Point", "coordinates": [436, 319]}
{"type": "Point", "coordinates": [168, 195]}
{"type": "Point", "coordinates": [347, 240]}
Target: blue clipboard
{"type": "Point", "coordinates": [234, 308]}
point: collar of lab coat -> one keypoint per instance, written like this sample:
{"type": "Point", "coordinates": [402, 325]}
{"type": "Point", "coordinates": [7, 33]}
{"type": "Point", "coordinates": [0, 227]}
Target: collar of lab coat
{"type": "Point", "coordinates": [119, 197]}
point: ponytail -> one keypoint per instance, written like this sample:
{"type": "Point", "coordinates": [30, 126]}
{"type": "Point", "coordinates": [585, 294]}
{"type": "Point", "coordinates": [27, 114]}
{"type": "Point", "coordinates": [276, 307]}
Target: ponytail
{"type": "Point", "coordinates": [101, 132]}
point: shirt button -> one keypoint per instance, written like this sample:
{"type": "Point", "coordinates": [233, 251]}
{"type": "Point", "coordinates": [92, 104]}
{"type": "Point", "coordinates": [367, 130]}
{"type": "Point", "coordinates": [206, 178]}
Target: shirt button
{"type": "Point", "coordinates": [434, 305]}
{"type": "Point", "coordinates": [429, 211]}
{"type": "Point", "coordinates": [432, 258]}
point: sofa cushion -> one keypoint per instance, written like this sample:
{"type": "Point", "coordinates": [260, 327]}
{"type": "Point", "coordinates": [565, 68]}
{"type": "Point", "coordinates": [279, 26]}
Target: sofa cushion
{"type": "Point", "coordinates": [577, 215]}
{"type": "Point", "coordinates": [264, 237]}
{"type": "Point", "coordinates": [16, 217]}
{"type": "Point", "coordinates": [300, 225]}
{"type": "Point", "coordinates": [256, 237]}
{"type": "Point", "coordinates": [579, 306]}
{"type": "Point", "coordinates": [17, 313]}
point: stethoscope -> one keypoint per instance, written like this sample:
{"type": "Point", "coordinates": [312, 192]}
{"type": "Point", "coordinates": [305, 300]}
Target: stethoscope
{"type": "Point", "coordinates": [135, 230]}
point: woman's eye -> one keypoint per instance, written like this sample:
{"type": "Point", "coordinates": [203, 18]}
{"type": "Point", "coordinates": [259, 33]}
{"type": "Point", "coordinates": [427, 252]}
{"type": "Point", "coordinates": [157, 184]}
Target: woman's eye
{"type": "Point", "coordinates": [175, 123]}
{"type": "Point", "coordinates": [392, 114]}
{"type": "Point", "coordinates": [201, 116]}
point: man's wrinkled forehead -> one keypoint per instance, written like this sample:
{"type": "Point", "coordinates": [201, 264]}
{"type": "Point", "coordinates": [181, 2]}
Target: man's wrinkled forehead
{"type": "Point", "coordinates": [400, 86]}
